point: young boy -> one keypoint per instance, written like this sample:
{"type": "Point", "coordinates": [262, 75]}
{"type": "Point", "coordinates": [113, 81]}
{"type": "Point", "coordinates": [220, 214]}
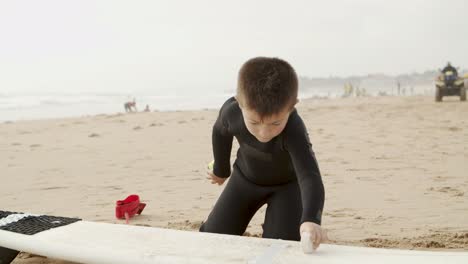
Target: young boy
{"type": "Point", "coordinates": [275, 164]}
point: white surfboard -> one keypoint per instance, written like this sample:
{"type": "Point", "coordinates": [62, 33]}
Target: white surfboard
{"type": "Point", "coordinates": [93, 242]}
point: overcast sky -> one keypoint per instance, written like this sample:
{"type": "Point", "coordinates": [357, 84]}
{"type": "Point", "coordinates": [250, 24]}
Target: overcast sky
{"type": "Point", "coordinates": [120, 46]}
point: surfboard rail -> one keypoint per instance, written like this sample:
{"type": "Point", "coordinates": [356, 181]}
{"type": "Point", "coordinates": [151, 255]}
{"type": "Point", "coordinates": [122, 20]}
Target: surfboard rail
{"type": "Point", "coordinates": [94, 242]}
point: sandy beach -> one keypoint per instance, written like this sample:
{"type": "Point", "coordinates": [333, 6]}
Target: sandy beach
{"type": "Point", "coordinates": [395, 169]}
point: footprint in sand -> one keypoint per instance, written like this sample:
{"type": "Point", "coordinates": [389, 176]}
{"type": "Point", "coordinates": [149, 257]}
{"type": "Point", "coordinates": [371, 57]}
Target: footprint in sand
{"type": "Point", "coordinates": [53, 188]}
{"type": "Point", "coordinates": [440, 178]}
{"type": "Point", "coordinates": [116, 188]}
{"type": "Point", "coordinates": [101, 205]}
{"type": "Point", "coordinates": [34, 145]}
{"type": "Point", "coordinates": [182, 122]}
{"type": "Point", "coordinates": [156, 124]}
{"type": "Point", "coordinates": [137, 128]}
{"type": "Point", "coordinates": [340, 213]}
{"type": "Point", "coordinates": [16, 144]}
{"type": "Point", "coordinates": [93, 135]}
{"type": "Point", "coordinates": [449, 190]}
{"type": "Point", "coordinates": [195, 179]}
{"type": "Point", "coordinates": [454, 129]}
{"type": "Point", "coordinates": [365, 178]}
{"type": "Point", "coordinates": [381, 157]}
{"type": "Point", "coordinates": [335, 215]}
{"type": "Point", "coordinates": [329, 160]}
{"type": "Point", "coordinates": [382, 218]}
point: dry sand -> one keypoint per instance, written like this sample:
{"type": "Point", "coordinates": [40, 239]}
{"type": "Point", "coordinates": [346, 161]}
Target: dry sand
{"type": "Point", "coordinates": [395, 169]}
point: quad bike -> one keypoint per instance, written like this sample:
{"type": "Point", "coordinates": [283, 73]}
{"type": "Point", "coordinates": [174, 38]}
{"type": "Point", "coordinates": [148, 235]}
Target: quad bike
{"type": "Point", "coordinates": [449, 84]}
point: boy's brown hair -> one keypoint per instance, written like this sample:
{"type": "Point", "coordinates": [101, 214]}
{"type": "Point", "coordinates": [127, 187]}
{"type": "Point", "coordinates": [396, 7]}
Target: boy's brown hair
{"type": "Point", "coordinates": [267, 85]}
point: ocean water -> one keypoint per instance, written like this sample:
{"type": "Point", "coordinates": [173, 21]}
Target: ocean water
{"type": "Point", "coordinates": [29, 106]}
{"type": "Point", "coordinates": [21, 106]}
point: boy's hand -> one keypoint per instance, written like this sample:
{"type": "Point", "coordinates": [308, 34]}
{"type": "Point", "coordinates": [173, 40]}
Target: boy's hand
{"type": "Point", "coordinates": [215, 179]}
{"type": "Point", "coordinates": [311, 236]}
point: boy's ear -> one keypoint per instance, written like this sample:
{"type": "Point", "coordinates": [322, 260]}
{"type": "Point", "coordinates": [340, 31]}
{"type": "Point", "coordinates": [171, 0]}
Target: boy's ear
{"type": "Point", "coordinates": [237, 99]}
{"type": "Point", "coordinates": [297, 101]}
{"type": "Point", "coordinates": [292, 107]}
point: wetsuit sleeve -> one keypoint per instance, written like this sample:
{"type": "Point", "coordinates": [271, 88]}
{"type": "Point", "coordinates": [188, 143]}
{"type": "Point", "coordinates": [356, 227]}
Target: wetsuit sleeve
{"type": "Point", "coordinates": [307, 172]}
{"type": "Point", "coordinates": [222, 144]}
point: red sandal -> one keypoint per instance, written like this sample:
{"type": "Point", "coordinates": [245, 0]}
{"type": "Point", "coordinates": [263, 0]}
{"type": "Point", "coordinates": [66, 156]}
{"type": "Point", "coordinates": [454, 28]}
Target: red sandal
{"type": "Point", "coordinates": [129, 207]}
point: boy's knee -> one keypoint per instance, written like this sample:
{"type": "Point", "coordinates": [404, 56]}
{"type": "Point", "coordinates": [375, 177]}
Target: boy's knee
{"type": "Point", "coordinates": [226, 229]}
{"type": "Point", "coordinates": [285, 231]}
{"type": "Point", "coordinates": [7, 255]}
{"type": "Point", "coordinates": [202, 227]}
{"type": "Point", "coordinates": [284, 235]}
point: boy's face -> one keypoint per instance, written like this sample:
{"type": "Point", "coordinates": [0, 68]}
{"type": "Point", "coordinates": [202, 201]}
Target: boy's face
{"type": "Point", "coordinates": [267, 128]}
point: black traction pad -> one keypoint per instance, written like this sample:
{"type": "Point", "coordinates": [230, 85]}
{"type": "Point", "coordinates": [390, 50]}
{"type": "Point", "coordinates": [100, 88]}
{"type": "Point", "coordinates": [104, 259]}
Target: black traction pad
{"type": "Point", "coordinates": [30, 224]}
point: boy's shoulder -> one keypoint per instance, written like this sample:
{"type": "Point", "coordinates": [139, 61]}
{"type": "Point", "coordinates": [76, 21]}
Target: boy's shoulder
{"type": "Point", "coordinates": [230, 115]}
{"type": "Point", "coordinates": [230, 107]}
{"type": "Point", "coordinates": [295, 132]}
{"type": "Point", "coordinates": [294, 119]}
{"type": "Point", "coordinates": [295, 124]}
{"type": "Point", "coordinates": [230, 102]}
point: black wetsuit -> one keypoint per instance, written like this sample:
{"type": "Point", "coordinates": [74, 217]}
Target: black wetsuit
{"type": "Point", "coordinates": [7, 255]}
{"type": "Point", "coordinates": [282, 173]}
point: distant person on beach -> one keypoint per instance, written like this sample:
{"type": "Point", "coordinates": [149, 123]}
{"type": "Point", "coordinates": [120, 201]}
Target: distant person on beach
{"type": "Point", "coordinates": [448, 68]}
{"type": "Point", "coordinates": [275, 163]}
{"type": "Point", "coordinates": [147, 109]}
{"type": "Point", "coordinates": [130, 106]}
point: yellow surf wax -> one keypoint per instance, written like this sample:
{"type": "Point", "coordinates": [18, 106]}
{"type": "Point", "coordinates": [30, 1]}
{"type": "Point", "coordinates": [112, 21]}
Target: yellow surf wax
{"type": "Point", "coordinates": [210, 166]}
